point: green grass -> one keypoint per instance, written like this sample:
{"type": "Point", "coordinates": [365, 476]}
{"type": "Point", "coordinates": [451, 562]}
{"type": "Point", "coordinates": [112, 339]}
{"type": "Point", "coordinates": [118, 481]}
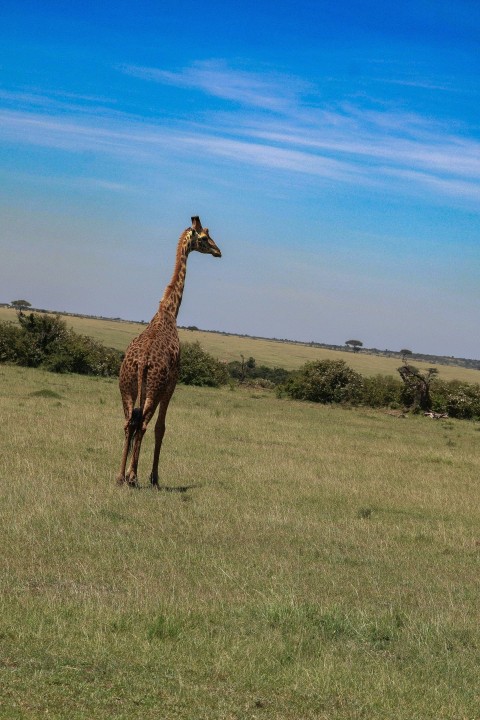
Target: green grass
{"type": "Point", "coordinates": [323, 563]}
{"type": "Point", "coordinates": [266, 352]}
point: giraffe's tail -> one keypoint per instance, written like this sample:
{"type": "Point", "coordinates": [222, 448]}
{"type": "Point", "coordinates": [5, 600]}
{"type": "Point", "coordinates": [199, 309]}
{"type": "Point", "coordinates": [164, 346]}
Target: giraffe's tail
{"type": "Point", "coordinates": [134, 425]}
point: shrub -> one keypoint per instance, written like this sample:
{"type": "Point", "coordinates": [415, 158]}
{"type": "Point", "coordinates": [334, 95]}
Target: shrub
{"type": "Point", "coordinates": [440, 391]}
{"type": "Point", "coordinates": [382, 391]}
{"type": "Point", "coordinates": [29, 342]}
{"type": "Point", "coordinates": [197, 367]}
{"type": "Point", "coordinates": [275, 375]}
{"type": "Point", "coordinates": [43, 331]}
{"type": "Point", "coordinates": [83, 355]}
{"type": "Point", "coordinates": [326, 381]}
{"type": "Point", "coordinates": [11, 342]}
{"type": "Point", "coordinates": [458, 399]}
{"type": "Point", "coordinates": [251, 371]}
{"type": "Point", "coordinates": [45, 341]}
{"type": "Point", "coordinates": [463, 401]}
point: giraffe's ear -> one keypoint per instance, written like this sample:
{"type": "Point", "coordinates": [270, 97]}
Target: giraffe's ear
{"type": "Point", "coordinates": [196, 224]}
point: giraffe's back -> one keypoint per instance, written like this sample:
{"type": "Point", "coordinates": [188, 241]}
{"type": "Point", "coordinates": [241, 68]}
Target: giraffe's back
{"type": "Point", "coordinates": [155, 356]}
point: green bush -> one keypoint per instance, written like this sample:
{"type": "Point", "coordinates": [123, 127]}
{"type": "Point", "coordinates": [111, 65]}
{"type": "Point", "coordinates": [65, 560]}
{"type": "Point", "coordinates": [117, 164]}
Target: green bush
{"type": "Point", "coordinates": [463, 401]}
{"type": "Point", "coordinates": [83, 355]}
{"type": "Point", "coordinates": [326, 381]}
{"type": "Point", "coordinates": [45, 341]}
{"type": "Point", "coordinates": [12, 342]}
{"type": "Point", "coordinates": [382, 391]}
{"type": "Point", "coordinates": [44, 331]}
{"type": "Point", "coordinates": [30, 342]}
{"type": "Point", "coordinates": [440, 391]}
{"type": "Point", "coordinates": [249, 370]}
{"type": "Point", "coordinates": [197, 367]}
{"type": "Point", "coordinates": [459, 399]}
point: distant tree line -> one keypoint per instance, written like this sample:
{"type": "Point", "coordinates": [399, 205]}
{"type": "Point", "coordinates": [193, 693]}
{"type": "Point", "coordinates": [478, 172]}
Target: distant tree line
{"type": "Point", "coordinates": [42, 340]}
{"type": "Point", "coordinates": [356, 345]}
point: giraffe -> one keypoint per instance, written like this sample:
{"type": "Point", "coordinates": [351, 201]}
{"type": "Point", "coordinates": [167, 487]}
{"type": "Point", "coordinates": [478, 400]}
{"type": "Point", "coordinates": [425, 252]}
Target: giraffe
{"type": "Point", "coordinates": [149, 371]}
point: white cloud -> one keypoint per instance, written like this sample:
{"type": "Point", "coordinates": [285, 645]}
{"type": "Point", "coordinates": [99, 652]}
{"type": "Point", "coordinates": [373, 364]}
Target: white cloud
{"type": "Point", "coordinates": [263, 91]}
{"type": "Point", "coordinates": [274, 128]}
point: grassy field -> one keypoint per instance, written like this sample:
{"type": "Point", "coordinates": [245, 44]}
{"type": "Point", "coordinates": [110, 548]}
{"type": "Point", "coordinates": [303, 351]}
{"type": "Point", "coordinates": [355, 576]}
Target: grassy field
{"type": "Point", "coordinates": [266, 352]}
{"type": "Point", "coordinates": [318, 563]}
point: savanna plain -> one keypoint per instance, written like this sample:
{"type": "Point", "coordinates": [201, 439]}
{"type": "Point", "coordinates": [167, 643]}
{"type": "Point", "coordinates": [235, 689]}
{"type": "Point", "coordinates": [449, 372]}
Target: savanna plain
{"type": "Point", "coordinates": [301, 561]}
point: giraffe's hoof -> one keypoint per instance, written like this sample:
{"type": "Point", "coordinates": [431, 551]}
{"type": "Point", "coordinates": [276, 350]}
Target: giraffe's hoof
{"type": "Point", "coordinates": [132, 480]}
{"type": "Point", "coordinates": [126, 480]}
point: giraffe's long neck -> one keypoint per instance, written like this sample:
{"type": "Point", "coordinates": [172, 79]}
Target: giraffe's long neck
{"type": "Point", "coordinates": [172, 297]}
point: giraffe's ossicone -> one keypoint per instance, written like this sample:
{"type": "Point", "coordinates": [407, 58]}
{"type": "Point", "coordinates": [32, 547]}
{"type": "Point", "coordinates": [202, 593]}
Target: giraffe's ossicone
{"type": "Point", "coordinates": [149, 371]}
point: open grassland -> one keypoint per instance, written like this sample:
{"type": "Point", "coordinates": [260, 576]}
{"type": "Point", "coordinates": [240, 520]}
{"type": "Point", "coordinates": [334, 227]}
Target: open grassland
{"type": "Point", "coordinates": [319, 562]}
{"type": "Point", "coordinates": [118, 334]}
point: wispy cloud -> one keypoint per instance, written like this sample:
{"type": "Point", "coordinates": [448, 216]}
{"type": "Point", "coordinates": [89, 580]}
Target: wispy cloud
{"type": "Point", "coordinates": [439, 153]}
{"type": "Point", "coordinates": [54, 101]}
{"type": "Point", "coordinates": [422, 84]}
{"type": "Point", "coordinates": [359, 137]}
{"type": "Point", "coordinates": [262, 91]}
{"type": "Point", "coordinates": [79, 182]}
{"type": "Point", "coordinates": [267, 121]}
{"type": "Point", "coordinates": [281, 158]}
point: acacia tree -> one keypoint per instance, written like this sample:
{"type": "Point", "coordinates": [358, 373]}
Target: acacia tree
{"type": "Point", "coordinates": [355, 344]}
{"type": "Point", "coordinates": [20, 304]}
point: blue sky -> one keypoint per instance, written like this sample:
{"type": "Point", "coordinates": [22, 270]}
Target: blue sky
{"type": "Point", "coordinates": [333, 149]}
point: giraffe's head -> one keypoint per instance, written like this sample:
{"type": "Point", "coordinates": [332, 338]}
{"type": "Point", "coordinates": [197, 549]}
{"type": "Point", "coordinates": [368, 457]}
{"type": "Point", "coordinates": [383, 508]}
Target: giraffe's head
{"type": "Point", "coordinates": [201, 240]}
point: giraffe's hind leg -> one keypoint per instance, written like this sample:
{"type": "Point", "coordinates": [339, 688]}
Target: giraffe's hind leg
{"type": "Point", "coordinates": [127, 443]}
{"type": "Point", "coordinates": [131, 474]}
{"type": "Point", "coordinates": [141, 424]}
{"type": "Point", "coordinates": [159, 433]}
{"type": "Point", "coordinates": [133, 428]}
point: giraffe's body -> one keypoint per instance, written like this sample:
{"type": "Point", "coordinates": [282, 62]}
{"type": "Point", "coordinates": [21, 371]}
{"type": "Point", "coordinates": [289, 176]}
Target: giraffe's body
{"type": "Point", "coordinates": [149, 371]}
